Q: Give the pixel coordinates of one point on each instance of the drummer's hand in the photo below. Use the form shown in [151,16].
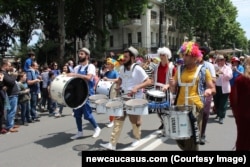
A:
[105,78]
[134,90]
[208,92]
[165,87]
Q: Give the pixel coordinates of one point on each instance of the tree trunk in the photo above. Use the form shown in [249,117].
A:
[61,4]
[100,35]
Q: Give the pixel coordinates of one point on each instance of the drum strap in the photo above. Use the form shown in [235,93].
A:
[187,85]
[79,70]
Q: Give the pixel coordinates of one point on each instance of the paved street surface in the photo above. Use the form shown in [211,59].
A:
[48,144]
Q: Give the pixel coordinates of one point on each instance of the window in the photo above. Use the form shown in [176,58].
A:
[111,41]
[133,15]
[129,38]
[152,38]
[153,15]
[139,37]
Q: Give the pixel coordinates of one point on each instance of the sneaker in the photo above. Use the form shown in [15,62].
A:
[78,135]
[97,132]
[111,124]
[57,115]
[221,120]
[37,120]
[108,146]
[135,143]
[202,140]
[25,124]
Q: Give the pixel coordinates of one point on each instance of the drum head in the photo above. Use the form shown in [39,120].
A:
[113,104]
[126,97]
[97,97]
[76,92]
[156,93]
[136,102]
[101,101]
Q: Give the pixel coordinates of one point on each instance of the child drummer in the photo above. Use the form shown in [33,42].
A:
[111,75]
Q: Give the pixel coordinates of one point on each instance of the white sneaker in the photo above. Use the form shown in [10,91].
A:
[108,146]
[57,115]
[135,143]
[111,124]
[78,135]
[97,132]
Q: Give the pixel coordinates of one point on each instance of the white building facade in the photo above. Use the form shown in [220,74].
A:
[151,30]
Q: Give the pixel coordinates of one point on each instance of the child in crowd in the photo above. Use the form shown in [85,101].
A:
[24,98]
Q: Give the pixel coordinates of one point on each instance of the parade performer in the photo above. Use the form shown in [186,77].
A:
[191,80]
[111,75]
[86,71]
[163,72]
[132,78]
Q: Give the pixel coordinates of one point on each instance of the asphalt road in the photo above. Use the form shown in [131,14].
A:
[48,144]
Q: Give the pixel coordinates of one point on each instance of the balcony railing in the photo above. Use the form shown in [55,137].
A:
[132,22]
[136,45]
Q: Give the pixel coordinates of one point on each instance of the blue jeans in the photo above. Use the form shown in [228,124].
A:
[33,103]
[87,112]
[11,112]
[25,114]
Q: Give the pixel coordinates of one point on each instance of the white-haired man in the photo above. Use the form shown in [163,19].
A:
[163,72]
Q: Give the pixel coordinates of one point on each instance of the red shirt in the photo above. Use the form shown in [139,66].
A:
[162,71]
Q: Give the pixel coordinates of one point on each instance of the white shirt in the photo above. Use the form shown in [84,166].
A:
[132,78]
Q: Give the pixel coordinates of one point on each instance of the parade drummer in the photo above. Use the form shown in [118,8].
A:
[163,72]
[86,71]
[132,78]
[192,80]
[111,75]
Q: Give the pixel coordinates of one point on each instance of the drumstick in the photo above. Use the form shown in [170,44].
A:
[159,84]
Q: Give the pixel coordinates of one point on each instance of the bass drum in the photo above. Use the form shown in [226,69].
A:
[106,88]
[69,91]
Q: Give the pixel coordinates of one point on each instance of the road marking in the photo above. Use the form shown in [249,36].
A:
[142,141]
[154,144]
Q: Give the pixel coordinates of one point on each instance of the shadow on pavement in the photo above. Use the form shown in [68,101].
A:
[56,139]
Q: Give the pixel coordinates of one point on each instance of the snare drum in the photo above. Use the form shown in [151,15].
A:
[114,108]
[107,88]
[69,91]
[137,107]
[101,106]
[177,123]
[155,95]
[93,98]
